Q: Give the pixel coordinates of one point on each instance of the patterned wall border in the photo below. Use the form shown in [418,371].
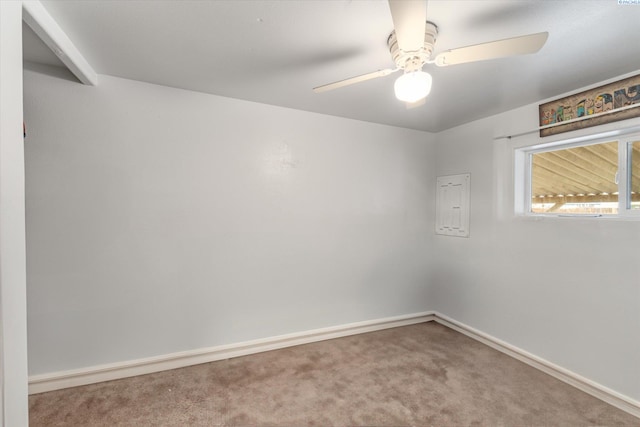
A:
[604,104]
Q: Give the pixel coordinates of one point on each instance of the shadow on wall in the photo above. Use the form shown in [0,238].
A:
[50,70]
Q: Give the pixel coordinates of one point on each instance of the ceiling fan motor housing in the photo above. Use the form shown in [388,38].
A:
[413,60]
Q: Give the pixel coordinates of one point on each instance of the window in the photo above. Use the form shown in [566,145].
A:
[596,178]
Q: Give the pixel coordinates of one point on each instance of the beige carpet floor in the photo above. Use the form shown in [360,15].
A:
[419,375]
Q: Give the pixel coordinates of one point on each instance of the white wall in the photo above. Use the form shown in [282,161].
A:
[162,220]
[13,328]
[567,290]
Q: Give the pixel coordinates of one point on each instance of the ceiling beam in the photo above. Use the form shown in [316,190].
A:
[549,177]
[36,16]
[587,161]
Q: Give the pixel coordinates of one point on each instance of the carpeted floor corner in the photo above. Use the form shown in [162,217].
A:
[419,375]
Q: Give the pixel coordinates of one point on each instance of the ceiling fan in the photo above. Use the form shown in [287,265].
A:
[411,45]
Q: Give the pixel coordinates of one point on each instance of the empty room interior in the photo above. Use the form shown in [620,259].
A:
[320,212]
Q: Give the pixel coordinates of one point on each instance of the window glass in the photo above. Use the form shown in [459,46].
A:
[578,180]
[634,162]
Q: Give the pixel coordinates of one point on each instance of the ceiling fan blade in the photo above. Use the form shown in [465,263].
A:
[409,17]
[356,79]
[493,50]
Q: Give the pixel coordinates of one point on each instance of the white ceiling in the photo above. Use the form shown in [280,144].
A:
[275,52]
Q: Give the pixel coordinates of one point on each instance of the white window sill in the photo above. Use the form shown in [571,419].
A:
[573,217]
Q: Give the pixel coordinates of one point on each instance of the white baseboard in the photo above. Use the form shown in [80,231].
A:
[603,393]
[114,371]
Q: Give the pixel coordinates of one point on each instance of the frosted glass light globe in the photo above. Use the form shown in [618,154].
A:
[413,86]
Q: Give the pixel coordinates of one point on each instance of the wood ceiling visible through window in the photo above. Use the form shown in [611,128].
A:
[585,174]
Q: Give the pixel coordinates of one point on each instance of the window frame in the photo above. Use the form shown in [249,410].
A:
[523,170]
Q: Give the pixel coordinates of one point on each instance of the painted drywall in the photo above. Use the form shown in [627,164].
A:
[564,289]
[161,220]
[13,311]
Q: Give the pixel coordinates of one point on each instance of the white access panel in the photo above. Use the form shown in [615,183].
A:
[452,205]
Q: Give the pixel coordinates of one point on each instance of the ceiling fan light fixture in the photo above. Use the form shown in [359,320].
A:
[413,86]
